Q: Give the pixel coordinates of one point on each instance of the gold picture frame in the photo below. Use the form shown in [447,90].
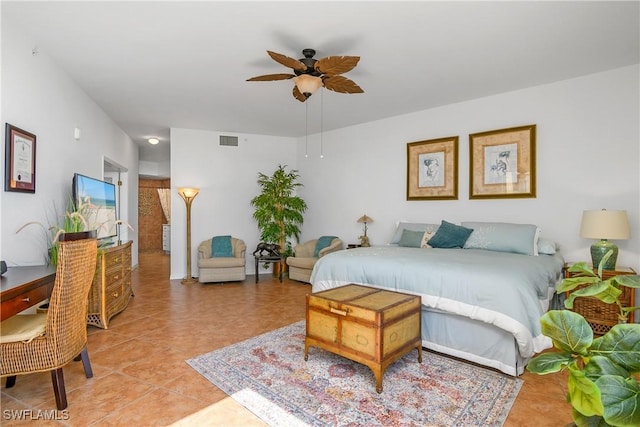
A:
[502,163]
[432,169]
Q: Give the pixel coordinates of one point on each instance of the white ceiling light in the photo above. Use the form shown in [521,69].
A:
[153,141]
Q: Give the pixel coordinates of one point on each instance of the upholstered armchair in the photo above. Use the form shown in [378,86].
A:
[227,266]
[307,254]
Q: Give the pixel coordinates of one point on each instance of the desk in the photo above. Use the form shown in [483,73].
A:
[24,287]
[267,258]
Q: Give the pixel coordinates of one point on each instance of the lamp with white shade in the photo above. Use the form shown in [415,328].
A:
[604,225]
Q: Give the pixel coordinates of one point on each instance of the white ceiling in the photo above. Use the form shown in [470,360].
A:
[153,65]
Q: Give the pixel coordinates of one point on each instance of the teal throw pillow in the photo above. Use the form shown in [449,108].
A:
[411,239]
[322,243]
[450,236]
[221,247]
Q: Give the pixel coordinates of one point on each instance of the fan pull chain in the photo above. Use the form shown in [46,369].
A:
[306,133]
[321,123]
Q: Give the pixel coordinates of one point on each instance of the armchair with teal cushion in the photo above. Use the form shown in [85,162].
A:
[221,266]
[308,253]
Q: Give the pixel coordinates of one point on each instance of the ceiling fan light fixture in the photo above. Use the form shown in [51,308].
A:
[307,85]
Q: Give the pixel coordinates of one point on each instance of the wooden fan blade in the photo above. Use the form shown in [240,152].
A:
[286,61]
[334,65]
[341,84]
[298,95]
[270,77]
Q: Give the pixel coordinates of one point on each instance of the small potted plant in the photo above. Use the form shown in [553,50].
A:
[278,210]
[603,387]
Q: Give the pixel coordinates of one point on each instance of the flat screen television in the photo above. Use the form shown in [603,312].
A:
[97,200]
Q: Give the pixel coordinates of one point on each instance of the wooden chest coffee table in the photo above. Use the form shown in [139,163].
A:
[371,326]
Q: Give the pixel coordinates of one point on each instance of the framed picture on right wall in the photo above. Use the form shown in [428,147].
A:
[502,163]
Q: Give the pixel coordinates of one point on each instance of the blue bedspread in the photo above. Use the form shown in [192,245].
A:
[507,290]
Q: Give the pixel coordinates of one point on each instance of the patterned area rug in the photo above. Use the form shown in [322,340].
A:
[268,375]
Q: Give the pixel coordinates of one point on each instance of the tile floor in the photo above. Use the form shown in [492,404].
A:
[140,374]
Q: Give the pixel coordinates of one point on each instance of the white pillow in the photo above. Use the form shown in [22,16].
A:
[547,246]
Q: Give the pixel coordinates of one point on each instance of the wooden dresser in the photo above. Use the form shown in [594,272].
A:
[111,288]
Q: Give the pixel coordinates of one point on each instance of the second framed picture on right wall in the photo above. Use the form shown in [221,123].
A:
[502,163]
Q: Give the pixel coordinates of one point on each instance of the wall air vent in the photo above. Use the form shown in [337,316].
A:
[229,141]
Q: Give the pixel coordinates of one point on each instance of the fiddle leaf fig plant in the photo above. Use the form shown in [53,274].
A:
[603,387]
[587,283]
[603,390]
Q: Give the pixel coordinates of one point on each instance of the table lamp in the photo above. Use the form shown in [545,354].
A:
[604,225]
[364,240]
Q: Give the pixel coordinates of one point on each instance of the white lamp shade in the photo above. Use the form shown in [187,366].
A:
[307,85]
[604,224]
[187,193]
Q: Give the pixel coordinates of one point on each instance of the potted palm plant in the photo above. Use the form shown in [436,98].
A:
[603,387]
[278,210]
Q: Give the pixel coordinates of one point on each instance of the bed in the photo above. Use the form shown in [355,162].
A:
[478,303]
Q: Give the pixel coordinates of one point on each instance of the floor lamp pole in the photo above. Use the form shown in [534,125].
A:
[188,194]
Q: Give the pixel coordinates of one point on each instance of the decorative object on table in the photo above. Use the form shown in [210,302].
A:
[503,163]
[305,256]
[604,299]
[432,169]
[188,194]
[19,160]
[284,390]
[602,387]
[311,74]
[364,239]
[49,341]
[79,216]
[221,259]
[604,224]
[278,210]
[265,254]
[3,267]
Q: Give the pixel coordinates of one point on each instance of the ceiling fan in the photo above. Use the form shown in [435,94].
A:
[310,74]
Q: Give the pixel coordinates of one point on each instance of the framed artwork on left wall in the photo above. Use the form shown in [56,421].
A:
[19,160]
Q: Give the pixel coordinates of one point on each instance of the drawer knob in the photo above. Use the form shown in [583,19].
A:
[115,295]
[116,277]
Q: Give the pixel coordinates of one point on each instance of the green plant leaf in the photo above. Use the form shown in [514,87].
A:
[583,393]
[568,331]
[604,291]
[621,345]
[628,280]
[584,421]
[601,365]
[571,283]
[582,268]
[547,363]
[621,399]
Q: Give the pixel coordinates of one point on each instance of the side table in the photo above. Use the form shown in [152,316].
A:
[269,258]
[601,316]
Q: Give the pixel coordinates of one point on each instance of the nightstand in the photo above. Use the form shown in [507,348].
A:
[601,316]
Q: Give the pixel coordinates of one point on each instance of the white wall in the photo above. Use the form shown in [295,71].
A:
[226,177]
[39,97]
[587,158]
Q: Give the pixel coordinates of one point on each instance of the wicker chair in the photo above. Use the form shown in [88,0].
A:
[302,263]
[47,342]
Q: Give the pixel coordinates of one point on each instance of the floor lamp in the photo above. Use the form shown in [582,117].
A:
[188,194]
